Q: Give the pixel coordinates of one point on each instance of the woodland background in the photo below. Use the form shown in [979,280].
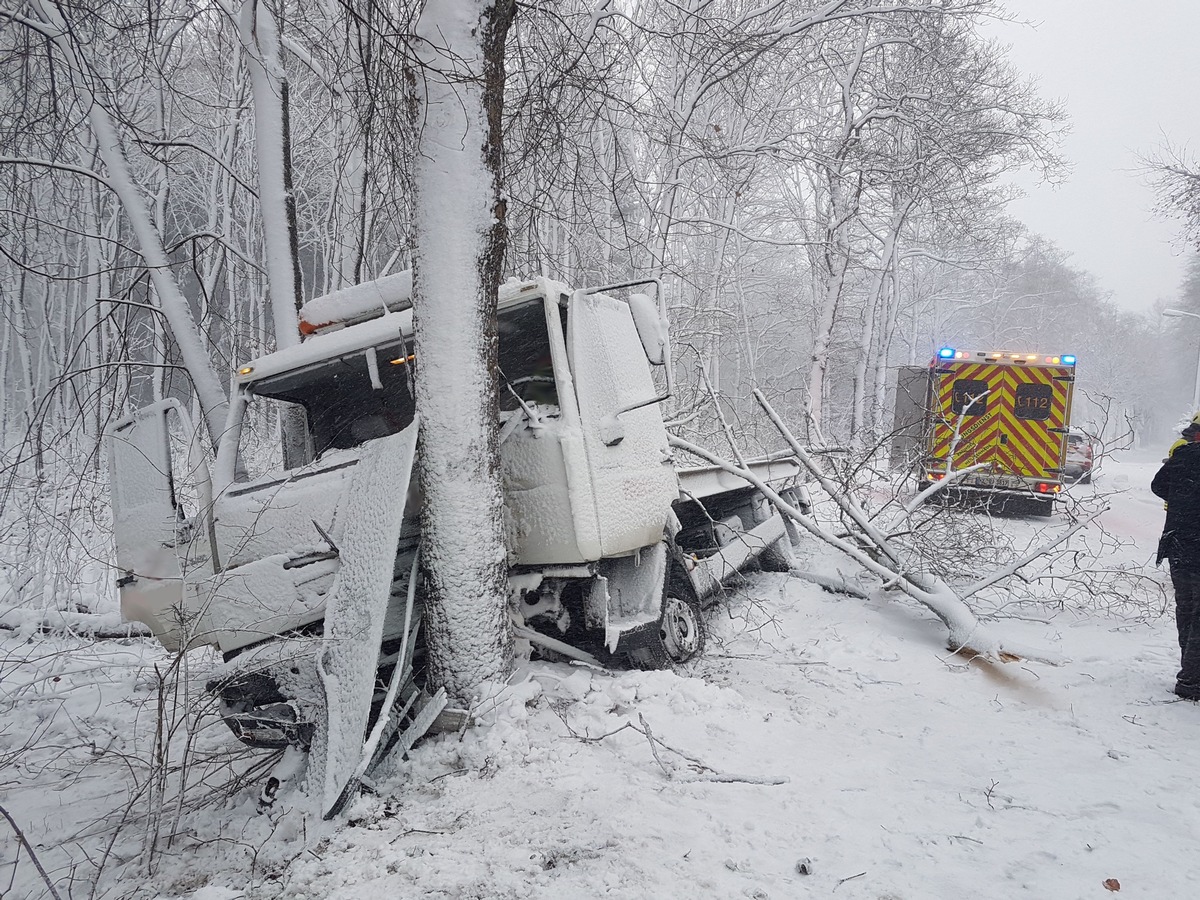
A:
[822,188]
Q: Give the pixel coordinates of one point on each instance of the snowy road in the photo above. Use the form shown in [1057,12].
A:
[843,733]
[929,777]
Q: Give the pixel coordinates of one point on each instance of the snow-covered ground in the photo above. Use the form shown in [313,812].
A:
[824,746]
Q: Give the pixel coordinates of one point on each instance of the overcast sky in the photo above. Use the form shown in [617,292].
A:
[1129,73]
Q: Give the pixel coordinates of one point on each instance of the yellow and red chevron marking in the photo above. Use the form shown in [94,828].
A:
[1029,448]
[1033,448]
[978,435]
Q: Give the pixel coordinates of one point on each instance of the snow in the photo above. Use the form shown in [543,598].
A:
[322,347]
[390,293]
[539,514]
[904,772]
[652,327]
[274,516]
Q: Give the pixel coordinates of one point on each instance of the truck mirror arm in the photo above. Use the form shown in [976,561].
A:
[611,430]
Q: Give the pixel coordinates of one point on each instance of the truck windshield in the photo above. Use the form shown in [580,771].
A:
[341,407]
[524,357]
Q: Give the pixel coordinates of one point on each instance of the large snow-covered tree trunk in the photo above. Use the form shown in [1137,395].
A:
[460,247]
[259,34]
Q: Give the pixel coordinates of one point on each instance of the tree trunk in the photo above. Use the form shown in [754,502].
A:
[272,151]
[836,259]
[460,248]
[173,304]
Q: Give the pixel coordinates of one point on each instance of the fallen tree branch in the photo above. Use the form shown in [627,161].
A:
[89,625]
[1014,567]
[834,585]
[707,774]
[966,632]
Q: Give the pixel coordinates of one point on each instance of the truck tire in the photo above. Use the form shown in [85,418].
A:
[682,629]
[680,636]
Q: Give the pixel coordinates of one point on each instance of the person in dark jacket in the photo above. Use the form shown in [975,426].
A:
[1178,483]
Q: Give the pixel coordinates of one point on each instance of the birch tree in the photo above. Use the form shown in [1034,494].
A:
[259,34]
[923,117]
[458,61]
[95,94]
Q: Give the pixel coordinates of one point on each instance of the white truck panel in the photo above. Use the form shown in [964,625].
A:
[633,480]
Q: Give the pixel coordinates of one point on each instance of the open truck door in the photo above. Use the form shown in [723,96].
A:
[157,542]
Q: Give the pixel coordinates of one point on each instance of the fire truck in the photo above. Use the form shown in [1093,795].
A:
[1004,414]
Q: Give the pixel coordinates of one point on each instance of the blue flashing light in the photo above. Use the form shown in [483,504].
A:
[1068,360]
[948,353]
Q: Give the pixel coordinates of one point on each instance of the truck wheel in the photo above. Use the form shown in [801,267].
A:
[682,629]
[680,637]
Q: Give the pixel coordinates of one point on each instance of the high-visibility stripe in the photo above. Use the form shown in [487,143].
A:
[1030,448]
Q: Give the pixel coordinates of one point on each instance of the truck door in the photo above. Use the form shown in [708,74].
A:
[1036,413]
[910,421]
[633,477]
[157,541]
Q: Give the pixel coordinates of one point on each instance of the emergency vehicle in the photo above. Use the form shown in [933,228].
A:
[1008,412]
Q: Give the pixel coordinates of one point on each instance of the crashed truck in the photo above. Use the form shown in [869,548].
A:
[613,547]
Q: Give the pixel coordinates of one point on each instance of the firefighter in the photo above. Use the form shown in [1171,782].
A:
[1189,433]
[1178,483]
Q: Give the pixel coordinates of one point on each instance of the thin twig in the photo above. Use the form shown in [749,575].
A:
[848,878]
[29,847]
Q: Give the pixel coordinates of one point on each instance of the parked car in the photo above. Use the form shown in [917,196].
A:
[1080,455]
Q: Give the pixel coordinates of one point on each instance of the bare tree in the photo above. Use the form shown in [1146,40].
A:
[97,97]
[1175,173]
[459,54]
[259,33]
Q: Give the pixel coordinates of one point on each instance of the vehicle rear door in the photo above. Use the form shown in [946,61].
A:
[1036,409]
[967,401]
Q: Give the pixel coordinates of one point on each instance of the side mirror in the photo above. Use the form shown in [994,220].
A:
[651,328]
